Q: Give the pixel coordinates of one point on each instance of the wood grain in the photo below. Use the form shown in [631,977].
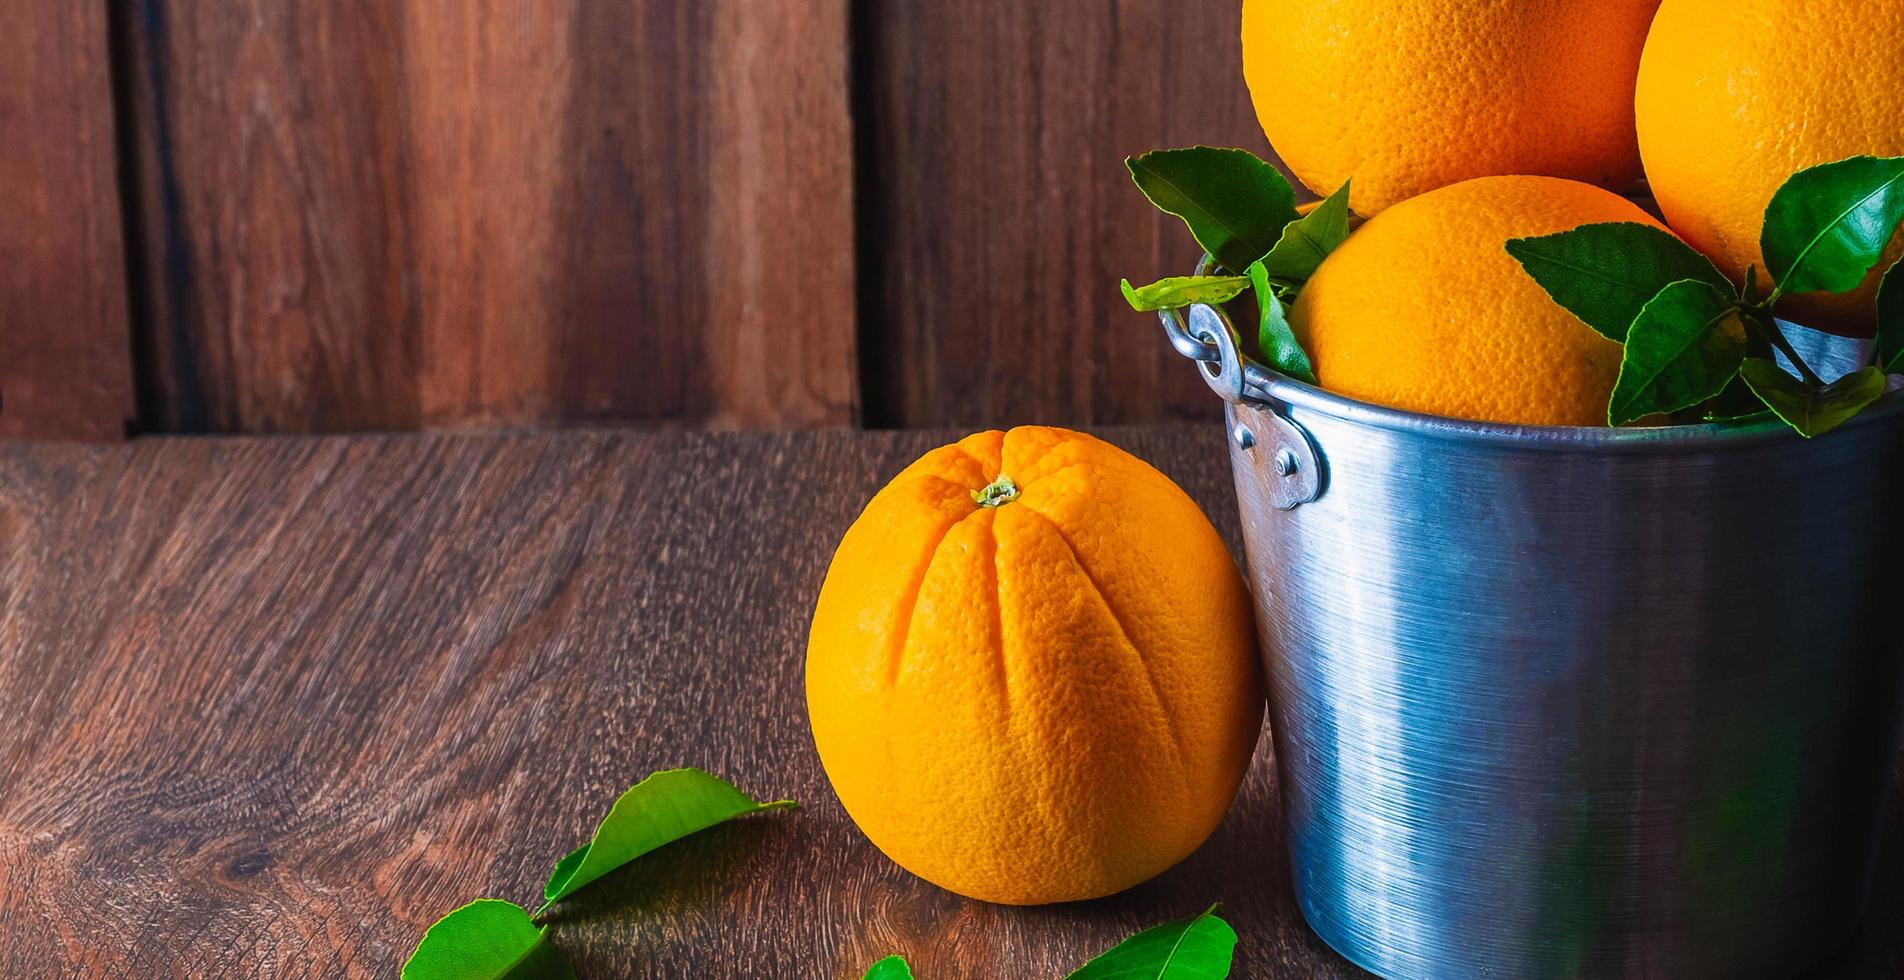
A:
[440,213]
[1001,216]
[65,342]
[274,705]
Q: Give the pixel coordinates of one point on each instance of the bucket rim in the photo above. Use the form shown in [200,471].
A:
[1279,390]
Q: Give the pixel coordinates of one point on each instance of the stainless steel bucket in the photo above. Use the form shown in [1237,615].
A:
[1571,702]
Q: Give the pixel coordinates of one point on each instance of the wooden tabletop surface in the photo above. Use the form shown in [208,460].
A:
[268,707]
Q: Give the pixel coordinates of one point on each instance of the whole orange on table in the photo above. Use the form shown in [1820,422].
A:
[1032,671]
[1734,96]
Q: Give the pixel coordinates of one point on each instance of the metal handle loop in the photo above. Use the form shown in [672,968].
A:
[1224,374]
[1287,459]
[1179,336]
[1209,339]
[1202,340]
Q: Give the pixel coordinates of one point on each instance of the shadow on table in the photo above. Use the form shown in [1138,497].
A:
[695,873]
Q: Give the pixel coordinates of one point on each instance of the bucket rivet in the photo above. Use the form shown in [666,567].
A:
[1285,462]
[1243,437]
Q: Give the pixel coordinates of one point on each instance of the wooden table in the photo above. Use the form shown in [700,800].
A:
[270,706]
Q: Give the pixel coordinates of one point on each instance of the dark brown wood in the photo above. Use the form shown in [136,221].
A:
[1000,216]
[65,344]
[274,705]
[446,213]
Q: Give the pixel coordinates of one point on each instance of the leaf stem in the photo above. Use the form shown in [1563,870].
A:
[1776,337]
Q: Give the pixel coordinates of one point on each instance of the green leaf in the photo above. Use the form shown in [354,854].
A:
[890,968]
[1812,410]
[1194,949]
[1235,204]
[1176,291]
[488,939]
[1308,240]
[665,807]
[1891,319]
[1686,343]
[1274,338]
[1828,225]
[1604,273]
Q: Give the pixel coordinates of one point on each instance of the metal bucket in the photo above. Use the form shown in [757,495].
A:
[1571,701]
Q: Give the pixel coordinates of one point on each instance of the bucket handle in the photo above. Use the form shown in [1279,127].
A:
[1287,460]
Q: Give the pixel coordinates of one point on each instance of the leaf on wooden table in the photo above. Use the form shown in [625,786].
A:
[488,939]
[1826,226]
[891,968]
[1234,203]
[1179,291]
[1605,273]
[665,807]
[1812,410]
[1194,949]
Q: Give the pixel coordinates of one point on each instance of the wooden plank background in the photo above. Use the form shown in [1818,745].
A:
[1002,214]
[403,214]
[65,345]
[439,213]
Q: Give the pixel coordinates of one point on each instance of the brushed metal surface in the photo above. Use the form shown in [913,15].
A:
[1578,702]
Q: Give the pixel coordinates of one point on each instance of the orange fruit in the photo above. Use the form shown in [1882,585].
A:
[1047,699]
[1409,95]
[1423,309]
[1735,96]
